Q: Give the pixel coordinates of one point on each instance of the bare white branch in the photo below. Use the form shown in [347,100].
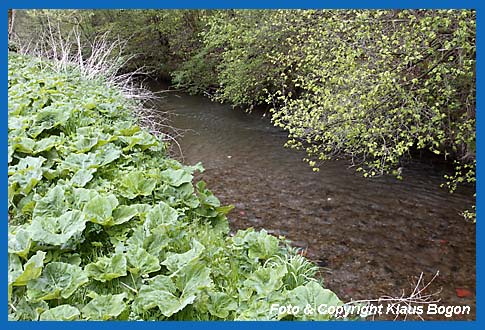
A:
[418,296]
[103,58]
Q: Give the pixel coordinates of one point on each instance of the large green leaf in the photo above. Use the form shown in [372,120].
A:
[156,241]
[19,241]
[176,177]
[314,295]
[175,261]
[61,313]
[100,209]
[74,162]
[107,154]
[107,268]
[10,153]
[14,271]
[28,310]
[142,210]
[82,177]
[137,238]
[266,280]
[47,144]
[31,269]
[58,230]
[23,144]
[124,213]
[262,245]
[84,144]
[19,275]
[140,138]
[16,122]
[161,214]
[221,304]
[98,133]
[27,173]
[161,292]
[141,261]
[105,307]
[206,197]
[53,204]
[49,117]
[128,130]
[58,280]
[81,196]
[193,278]
[136,184]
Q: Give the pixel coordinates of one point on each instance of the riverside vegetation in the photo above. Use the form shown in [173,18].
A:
[104,225]
[376,87]
[102,222]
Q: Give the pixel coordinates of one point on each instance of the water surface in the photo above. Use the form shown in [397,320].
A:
[371,237]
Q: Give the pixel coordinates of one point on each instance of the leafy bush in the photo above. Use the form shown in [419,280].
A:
[371,86]
[242,39]
[104,226]
[375,85]
[196,75]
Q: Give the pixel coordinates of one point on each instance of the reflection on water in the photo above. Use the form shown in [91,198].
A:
[370,236]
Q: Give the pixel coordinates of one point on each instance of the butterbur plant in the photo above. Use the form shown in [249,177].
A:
[104,225]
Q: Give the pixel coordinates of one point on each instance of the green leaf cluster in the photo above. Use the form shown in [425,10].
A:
[103,225]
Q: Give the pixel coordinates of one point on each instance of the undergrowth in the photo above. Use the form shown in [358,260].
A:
[104,225]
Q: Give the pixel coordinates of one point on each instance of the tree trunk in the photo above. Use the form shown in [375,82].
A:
[11,20]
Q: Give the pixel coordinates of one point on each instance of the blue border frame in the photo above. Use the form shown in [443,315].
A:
[214,4]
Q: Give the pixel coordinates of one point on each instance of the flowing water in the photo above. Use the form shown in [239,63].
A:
[371,237]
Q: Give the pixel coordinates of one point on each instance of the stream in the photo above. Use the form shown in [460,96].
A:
[371,237]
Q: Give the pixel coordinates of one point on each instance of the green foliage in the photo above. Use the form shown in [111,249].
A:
[464,173]
[375,85]
[298,270]
[58,280]
[197,75]
[234,54]
[371,86]
[58,230]
[103,225]
[107,268]
[61,313]
[314,295]
[104,307]
[242,40]
[137,29]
